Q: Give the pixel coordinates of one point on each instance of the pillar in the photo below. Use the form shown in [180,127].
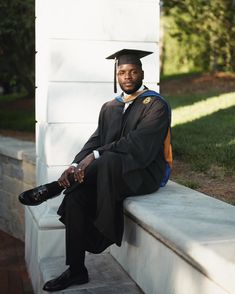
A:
[73,80]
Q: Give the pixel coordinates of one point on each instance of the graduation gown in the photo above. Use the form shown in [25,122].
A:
[137,136]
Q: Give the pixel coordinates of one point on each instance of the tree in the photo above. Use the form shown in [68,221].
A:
[207,26]
[17,43]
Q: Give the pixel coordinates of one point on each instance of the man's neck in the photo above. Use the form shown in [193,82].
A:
[141,88]
[131,97]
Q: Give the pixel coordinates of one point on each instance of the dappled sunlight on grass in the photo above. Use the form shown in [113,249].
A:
[232,142]
[208,140]
[202,108]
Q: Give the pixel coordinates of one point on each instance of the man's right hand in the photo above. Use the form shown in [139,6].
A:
[78,172]
[64,178]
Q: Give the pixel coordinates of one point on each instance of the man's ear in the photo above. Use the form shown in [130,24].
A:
[142,74]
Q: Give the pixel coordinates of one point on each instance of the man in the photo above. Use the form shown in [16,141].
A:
[129,154]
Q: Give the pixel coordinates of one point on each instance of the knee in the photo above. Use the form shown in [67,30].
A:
[70,201]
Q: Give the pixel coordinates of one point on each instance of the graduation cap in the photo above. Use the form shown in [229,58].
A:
[126,56]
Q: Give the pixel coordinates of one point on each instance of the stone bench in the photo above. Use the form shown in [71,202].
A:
[176,240]
[179,241]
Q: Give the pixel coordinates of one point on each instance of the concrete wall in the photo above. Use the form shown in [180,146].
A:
[17,173]
[73,78]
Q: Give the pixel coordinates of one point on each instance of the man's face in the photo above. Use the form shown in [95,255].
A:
[130,77]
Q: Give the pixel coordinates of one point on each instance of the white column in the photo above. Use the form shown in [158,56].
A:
[73,80]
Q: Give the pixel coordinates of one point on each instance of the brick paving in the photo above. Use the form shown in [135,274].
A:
[13,274]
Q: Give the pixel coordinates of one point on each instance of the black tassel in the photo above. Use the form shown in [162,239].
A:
[115,75]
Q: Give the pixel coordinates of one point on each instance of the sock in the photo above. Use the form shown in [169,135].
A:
[54,188]
[78,267]
[75,270]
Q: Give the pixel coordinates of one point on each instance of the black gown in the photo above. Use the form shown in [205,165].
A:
[131,162]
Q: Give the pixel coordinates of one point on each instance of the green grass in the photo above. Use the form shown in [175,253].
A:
[207,141]
[184,100]
[174,76]
[12,118]
[11,97]
[197,109]
[17,120]
[190,184]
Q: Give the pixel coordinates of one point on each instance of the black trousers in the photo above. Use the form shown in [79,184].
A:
[92,211]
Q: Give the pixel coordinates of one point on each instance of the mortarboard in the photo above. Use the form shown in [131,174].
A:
[126,56]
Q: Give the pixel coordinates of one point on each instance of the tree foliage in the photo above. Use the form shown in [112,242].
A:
[17,39]
[207,29]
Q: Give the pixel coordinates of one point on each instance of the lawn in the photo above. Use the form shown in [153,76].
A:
[204,130]
[17,113]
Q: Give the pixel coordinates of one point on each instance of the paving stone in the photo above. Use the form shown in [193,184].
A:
[106,275]
[13,274]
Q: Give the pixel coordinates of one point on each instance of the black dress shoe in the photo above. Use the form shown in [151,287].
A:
[65,280]
[40,194]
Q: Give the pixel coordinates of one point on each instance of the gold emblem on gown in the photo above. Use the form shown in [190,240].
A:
[147,100]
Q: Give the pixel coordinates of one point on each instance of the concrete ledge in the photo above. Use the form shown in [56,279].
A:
[17,149]
[178,228]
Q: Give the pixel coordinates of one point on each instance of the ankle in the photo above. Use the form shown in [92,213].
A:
[54,188]
[75,270]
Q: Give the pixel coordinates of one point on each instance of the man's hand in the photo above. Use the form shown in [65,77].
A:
[78,171]
[64,178]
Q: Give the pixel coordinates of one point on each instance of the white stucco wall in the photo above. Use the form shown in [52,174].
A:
[73,78]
